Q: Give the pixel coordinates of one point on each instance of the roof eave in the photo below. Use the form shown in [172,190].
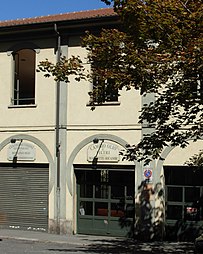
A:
[62,24]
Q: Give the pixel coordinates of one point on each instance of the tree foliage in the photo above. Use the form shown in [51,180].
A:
[196,161]
[63,69]
[156,49]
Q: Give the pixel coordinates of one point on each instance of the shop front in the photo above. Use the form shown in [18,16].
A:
[24,196]
[25,184]
[104,189]
[184,201]
[105,201]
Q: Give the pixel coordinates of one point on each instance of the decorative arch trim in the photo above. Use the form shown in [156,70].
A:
[164,154]
[79,147]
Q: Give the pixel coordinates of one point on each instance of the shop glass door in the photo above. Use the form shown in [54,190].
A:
[105,202]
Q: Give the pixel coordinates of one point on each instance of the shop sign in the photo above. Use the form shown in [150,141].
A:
[23,151]
[104,151]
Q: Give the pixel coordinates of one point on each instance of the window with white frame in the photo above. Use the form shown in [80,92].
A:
[104,90]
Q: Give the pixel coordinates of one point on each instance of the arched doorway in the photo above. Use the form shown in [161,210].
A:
[104,192]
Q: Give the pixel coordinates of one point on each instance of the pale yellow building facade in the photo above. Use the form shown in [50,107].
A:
[88,188]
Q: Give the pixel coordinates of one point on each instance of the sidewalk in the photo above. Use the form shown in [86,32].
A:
[100,244]
[38,236]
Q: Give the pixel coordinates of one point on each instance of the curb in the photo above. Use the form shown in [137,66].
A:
[41,240]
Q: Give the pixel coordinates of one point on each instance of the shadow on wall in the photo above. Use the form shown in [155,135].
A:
[149,212]
[148,222]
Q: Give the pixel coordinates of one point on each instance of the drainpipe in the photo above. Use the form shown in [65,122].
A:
[58,52]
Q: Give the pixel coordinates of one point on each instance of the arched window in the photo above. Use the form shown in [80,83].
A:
[24,77]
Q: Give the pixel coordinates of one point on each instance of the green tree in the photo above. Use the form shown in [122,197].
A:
[157,48]
[196,161]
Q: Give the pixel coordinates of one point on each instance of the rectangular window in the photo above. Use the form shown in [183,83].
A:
[104,91]
[175,194]
[195,87]
[24,77]
[184,193]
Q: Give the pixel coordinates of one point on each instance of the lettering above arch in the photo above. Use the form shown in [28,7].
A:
[78,148]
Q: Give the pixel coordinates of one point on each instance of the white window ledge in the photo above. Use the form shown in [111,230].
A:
[23,106]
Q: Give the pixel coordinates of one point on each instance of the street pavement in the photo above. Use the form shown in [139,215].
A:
[18,241]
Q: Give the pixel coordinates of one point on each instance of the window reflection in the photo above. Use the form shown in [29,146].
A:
[130,211]
[86,190]
[175,194]
[86,208]
[117,210]
[184,193]
[101,209]
[192,194]
[117,191]
[192,213]
[174,212]
[102,191]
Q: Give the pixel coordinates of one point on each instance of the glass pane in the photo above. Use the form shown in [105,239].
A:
[192,194]
[101,209]
[192,213]
[86,208]
[86,191]
[117,210]
[174,212]
[183,175]
[104,176]
[130,192]
[102,191]
[174,175]
[117,192]
[130,211]
[175,194]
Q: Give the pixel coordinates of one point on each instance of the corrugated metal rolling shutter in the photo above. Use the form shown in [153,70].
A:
[24,198]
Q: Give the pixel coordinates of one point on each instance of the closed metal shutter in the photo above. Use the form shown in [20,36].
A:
[24,198]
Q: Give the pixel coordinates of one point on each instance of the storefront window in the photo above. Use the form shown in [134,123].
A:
[117,210]
[175,193]
[86,208]
[117,192]
[192,194]
[192,213]
[86,190]
[101,209]
[174,212]
[102,191]
[184,193]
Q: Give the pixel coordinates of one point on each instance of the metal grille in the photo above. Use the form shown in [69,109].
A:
[24,198]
